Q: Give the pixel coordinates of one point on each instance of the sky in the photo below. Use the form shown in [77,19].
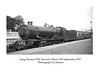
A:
[71,15]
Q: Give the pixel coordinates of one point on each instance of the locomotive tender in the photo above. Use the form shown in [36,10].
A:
[33,36]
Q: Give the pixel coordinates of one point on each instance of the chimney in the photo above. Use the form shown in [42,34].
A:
[30,23]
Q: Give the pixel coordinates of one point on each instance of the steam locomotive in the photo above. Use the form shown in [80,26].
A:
[37,36]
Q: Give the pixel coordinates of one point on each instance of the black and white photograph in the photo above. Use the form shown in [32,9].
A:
[49,38]
[61,31]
